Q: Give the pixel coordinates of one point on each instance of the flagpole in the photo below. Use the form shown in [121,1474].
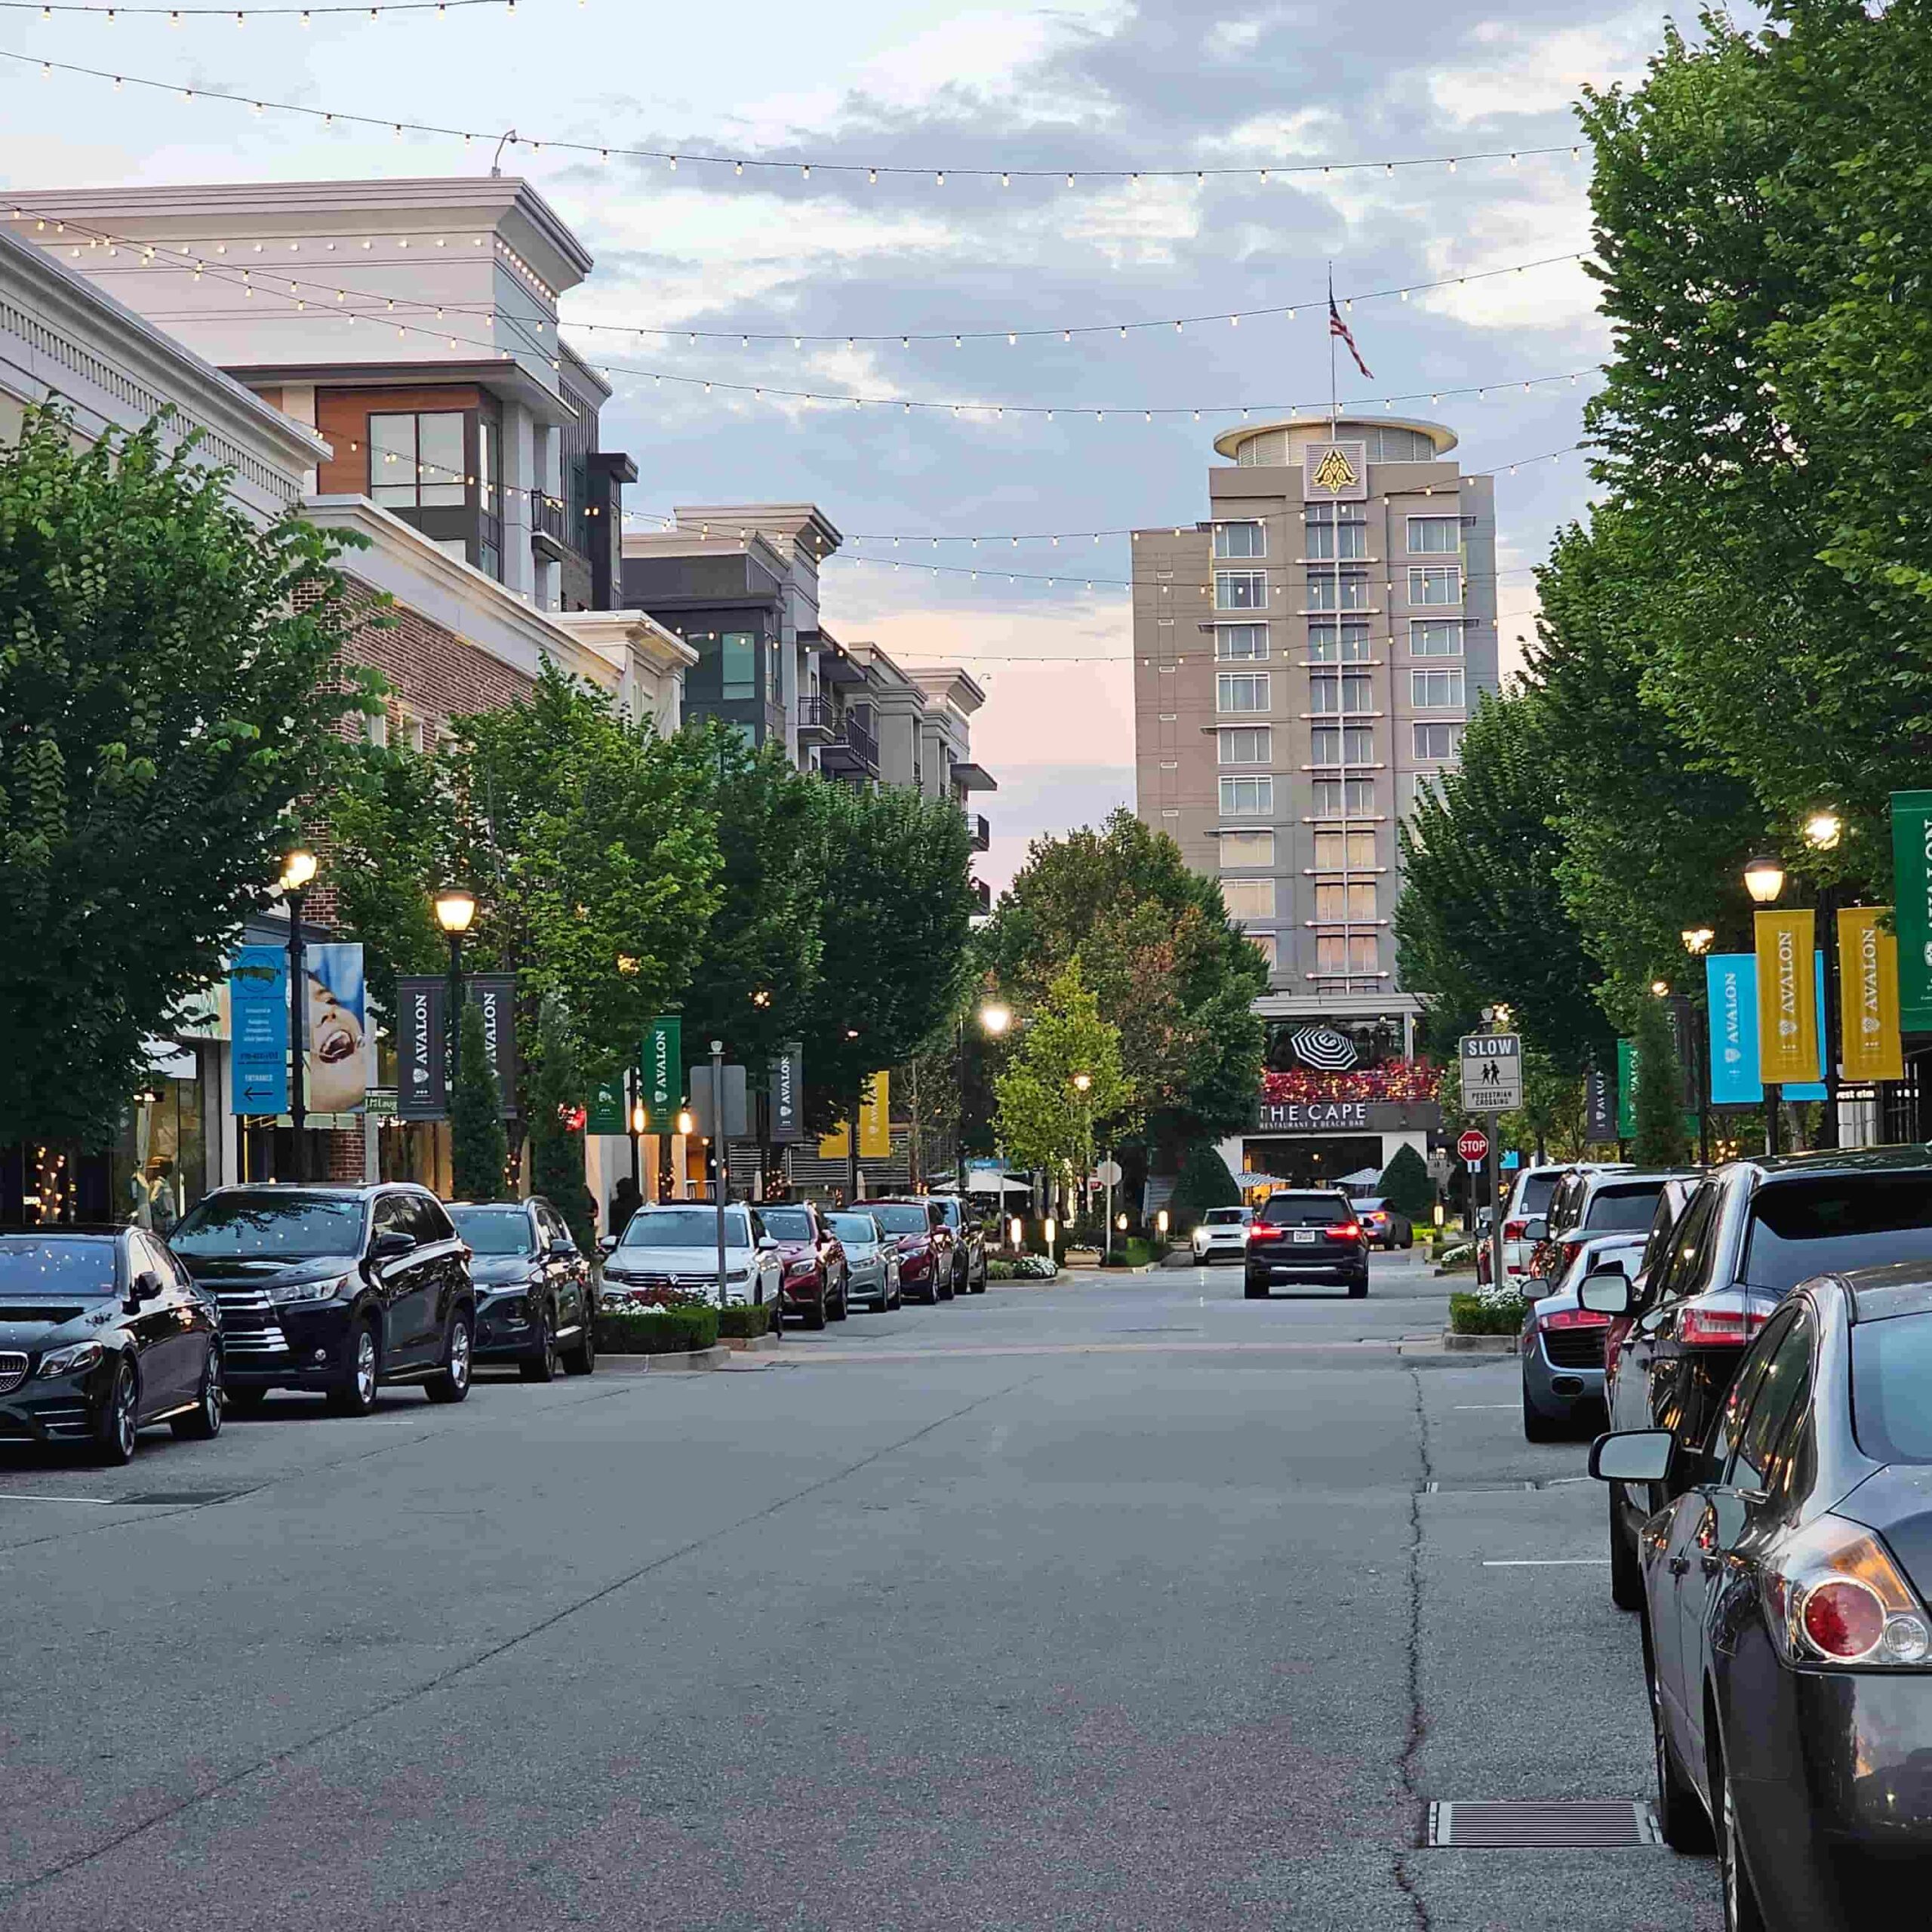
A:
[1341,685]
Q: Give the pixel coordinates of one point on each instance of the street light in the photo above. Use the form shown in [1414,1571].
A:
[298,871]
[1764,879]
[1661,988]
[995,1017]
[1823,831]
[1698,941]
[455,907]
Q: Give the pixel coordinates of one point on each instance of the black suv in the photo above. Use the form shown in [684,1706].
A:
[969,1244]
[1306,1234]
[536,1305]
[1749,1234]
[336,1289]
[101,1333]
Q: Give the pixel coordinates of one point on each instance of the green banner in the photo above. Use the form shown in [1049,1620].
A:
[1626,1090]
[1911,880]
[605,1114]
[663,1064]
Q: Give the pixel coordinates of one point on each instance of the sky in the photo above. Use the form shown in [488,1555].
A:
[1085,85]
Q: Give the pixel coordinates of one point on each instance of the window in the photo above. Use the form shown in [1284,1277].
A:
[1251,744]
[1438,740]
[1352,694]
[416,461]
[1233,643]
[1335,903]
[1352,744]
[1264,943]
[1335,850]
[1323,533]
[1336,798]
[1249,898]
[377,728]
[1325,594]
[1435,536]
[1241,590]
[1431,689]
[1241,539]
[1435,583]
[1782,1390]
[1337,954]
[1351,648]
[1241,690]
[1434,637]
[1247,848]
[738,664]
[1420,788]
[410,728]
[1247,796]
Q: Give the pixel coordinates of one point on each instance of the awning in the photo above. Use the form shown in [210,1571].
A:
[978,1182]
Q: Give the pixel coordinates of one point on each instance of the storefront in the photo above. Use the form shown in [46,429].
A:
[1318,1143]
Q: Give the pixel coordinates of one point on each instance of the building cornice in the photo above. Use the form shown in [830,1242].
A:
[613,633]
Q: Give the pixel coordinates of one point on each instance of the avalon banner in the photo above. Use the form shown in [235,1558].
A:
[1787,1012]
[422,1045]
[1730,981]
[1911,885]
[1871,1048]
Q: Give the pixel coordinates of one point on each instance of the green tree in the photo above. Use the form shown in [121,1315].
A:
[479,1149]
[1657,1106]
[1045,1120]
[1204,1182]
[556,1133]
[170,692]
[1406,1186]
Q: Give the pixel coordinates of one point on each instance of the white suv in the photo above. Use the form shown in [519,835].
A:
[1222,1235]
[1529,1198]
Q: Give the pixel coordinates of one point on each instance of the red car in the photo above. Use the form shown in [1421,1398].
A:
[918,1226]
[813,1283]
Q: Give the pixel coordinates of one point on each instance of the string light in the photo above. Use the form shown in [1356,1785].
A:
[174,16]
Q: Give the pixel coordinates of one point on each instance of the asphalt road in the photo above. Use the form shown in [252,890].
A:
[1117,1602]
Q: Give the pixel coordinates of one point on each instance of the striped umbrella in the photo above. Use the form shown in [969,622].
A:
[1323,1048]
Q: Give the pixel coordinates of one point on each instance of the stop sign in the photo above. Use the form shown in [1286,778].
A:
[1472,1144]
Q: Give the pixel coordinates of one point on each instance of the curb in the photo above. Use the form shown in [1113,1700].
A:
[698,1359]
[1479,1345]
[749,1345]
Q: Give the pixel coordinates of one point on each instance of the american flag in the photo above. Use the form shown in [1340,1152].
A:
[1337,327]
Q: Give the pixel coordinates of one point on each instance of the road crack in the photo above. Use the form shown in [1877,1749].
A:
[1416,1733]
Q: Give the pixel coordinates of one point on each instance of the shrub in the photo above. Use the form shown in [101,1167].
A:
[1131,1251]
[1477,1314]
[1204,1183]
[1026,1268]
[1406,1186]
[479,1149]
[658,1331]
[1458,1254]
[745,1320]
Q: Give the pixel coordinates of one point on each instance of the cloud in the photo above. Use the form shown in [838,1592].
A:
[1525,70]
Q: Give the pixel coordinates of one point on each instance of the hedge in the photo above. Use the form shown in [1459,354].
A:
[1131,1251]
[745,1320]
[1025,1267]
[1471,1314]
[660,1331]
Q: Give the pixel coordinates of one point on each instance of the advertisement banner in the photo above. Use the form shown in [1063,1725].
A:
[875,1120]
[422,1046]
[1626,1089]
[1787,1008]
[495,995]
[662,1063]
[1677,1012]
[788,1094]
[1599,1106]
[605,1113]
[336,1055]
[258,1006]
[1870,1047]
[1730,978]
[836,1146]
[1912,886]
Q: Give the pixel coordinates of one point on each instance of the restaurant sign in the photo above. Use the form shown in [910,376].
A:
[1350,1117]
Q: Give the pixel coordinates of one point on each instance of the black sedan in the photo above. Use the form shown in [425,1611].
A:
[1787,1641]
[101,1333]
[535,1303]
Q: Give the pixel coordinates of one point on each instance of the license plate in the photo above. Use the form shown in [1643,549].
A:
[1304,1235]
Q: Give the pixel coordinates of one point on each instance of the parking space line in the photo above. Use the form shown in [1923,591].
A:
[22,1496]
[1467,1408]
[1545,1562]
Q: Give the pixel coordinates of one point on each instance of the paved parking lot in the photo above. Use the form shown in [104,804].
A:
[1120,1601]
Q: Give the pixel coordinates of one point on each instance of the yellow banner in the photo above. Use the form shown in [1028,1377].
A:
[1871,1048]
[875,1120]
[836,1146]
[1787,997]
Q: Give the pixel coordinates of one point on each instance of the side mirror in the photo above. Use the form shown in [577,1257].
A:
[606,1244]
[1632,1455]
[391,1244]
[766,1244]
[1606,1291]
[148,1284]
[1536,1228]
[568,1250]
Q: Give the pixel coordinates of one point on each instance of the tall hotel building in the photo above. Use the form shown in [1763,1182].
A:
[1305,661]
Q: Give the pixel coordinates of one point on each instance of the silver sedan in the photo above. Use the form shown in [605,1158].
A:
[872,1261]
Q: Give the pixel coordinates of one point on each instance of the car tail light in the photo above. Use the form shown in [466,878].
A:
[1264,1231]
[1835,1596]
[1575,1318]
[1344,1230]
[1720,1327]
[1515,1230]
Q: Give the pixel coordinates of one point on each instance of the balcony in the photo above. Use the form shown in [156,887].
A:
[981,831]
[983,895]
[546,528]
[818,721]
[849,748]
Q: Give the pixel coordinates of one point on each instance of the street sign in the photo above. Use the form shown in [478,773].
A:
[1492,1072]
[1472,1145]
[1108,1173]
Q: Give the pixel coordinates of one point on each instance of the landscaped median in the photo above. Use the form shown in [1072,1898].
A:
[682,1337]
[1484,1322]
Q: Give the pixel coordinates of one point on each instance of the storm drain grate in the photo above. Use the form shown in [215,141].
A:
[1590,1826]
[176,1498]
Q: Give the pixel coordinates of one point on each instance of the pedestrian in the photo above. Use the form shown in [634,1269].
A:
[625,1200]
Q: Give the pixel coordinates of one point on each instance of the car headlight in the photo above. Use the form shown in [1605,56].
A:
[738,1279]
[72,1361]
[326,1290]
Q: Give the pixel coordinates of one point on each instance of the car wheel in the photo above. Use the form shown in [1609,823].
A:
[1681,1818]
[1741,1910]
[542,1365]
[898,1296]
[942,1291]
[451,1382]
[245,1401]
[203,1422]
[1254,1290]
[353,1392]
[1358,1288]
[1538,1427]
[116,1426]
[582,1359]
[1627,1573]
[842,1308]
[815,1316]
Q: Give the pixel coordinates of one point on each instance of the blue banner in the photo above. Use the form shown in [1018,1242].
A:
[258,1022]
[1731,980]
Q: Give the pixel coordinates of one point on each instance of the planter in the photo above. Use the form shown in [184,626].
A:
[766,1344]
[660,1331]
[1479,1345]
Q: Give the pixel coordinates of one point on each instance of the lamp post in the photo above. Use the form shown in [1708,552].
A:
[1764,879]
[456,907]
[639,1120]
[995,1017]
[1823,831]
[1082,1085]
[718,1156]
[1697,941]
[298,870]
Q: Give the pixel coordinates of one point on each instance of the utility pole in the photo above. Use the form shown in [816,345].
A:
[718,1155]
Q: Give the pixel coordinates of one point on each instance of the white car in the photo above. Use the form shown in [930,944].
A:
[674,1245]
[1222,1235]
[1529,1198]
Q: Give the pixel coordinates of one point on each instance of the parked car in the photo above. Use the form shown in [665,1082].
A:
[813,1283]
[969,1244]
[1300,1235]
[1221,1233]
[1561,1349]
[1590,1201]
[535,1302]
[1753,1231]
[1670,1205]
[923,1240]
[103,1333]
[337,1289]
[871,1259]
[1787,1639]
[1529,1195]
[673,1246]
[1385,1227]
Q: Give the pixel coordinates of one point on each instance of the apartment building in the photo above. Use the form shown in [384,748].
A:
[1305,661]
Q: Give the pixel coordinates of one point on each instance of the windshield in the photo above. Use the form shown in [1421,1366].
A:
[860,1228]
[1800,1228]
[685,1227]
[1223,1217]
[1536,1189]
[949,1210]
[788,1223]
[1619,1208]
[1891,1389]
[900,1218]
[495,1230]
[55,1264]
[271,1227]
[1306,1211]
